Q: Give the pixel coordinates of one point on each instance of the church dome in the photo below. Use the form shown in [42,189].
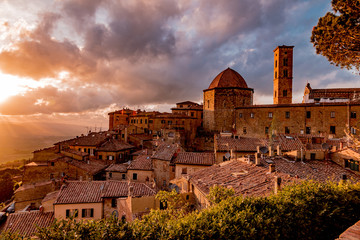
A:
[228,78]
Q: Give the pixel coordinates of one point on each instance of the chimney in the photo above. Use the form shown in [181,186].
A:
[277,186]
[131,190]
[257,159]
[271,152]
[278,150]
[258,149]
[272,168]
[343,178]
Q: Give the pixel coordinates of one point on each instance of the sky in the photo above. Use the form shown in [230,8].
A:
[76,60]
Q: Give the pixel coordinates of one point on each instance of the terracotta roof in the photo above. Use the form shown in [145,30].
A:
[352,233]
[166,151]
[50,196]
[91,166]
[194,158]
[246,179]
[142,152]
[288,142]
[143,137]
[142,162]
[243,144]
[187,102]
[313,169]
[80,192]
[349,153]
[122,188]
[349,93]
[228,78]
[172,115]
[197,107]
[93,192]
[24,223]
[114,145]
[117,168]
[91,140]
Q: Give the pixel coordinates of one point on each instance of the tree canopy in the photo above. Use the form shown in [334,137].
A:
[337,34]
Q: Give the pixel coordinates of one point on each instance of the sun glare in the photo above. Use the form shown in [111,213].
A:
[11,85]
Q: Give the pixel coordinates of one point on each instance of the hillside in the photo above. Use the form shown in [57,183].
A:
[18,141]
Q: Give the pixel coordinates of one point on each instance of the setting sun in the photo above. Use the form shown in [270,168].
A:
[12,85]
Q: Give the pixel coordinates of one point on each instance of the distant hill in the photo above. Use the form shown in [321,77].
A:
[19,140]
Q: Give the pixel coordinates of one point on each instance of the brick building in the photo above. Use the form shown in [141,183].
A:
[327,112]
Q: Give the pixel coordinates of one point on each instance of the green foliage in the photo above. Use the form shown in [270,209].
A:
[219,193]
[337,34]
[310,210]
[108,229]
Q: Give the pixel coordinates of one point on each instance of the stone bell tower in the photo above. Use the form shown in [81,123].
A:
[283,74]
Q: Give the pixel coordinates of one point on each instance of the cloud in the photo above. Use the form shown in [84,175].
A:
[132,53]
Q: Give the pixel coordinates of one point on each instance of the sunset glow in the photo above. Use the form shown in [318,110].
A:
[11,85]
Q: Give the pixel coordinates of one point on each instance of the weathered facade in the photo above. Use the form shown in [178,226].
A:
[226,92]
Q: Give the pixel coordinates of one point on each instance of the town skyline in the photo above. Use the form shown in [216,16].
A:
[80,56]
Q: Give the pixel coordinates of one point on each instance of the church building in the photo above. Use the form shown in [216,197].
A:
[228,105]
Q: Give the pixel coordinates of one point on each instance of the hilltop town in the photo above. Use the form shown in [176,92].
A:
[227,141]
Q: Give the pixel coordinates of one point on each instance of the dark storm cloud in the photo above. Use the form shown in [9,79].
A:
[154,52]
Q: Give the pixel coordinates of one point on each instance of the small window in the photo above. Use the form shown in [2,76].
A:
[110,174]
[312,156]
[266,130]
[275,94]
[287,114]
[332,114]
[270,114]
[353,130]
[332,130]
[135,176]
[100,157]
[275,74]
[164,183]
[285,72]
[145,121]
[187,197]
[192,114]
[150,121]
[353,115]
[307,130]
[353,165]
[275,63]
[308,114]
[208,103]
[169,122]
[287,130]
[122,135]
[72,212]
[52,164]
[244,130]
[123,176]
[284,93]
[87,212]
[140,120]
[163,121]
[184,170]
[113,203]
[285,61]
[240,115]
[252,115]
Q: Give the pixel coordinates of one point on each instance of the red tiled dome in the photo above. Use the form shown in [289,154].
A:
[228,78]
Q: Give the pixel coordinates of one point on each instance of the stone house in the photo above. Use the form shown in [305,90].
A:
[260,178]
[347,158]
[117,172]
[190,162]
[163,165]
[141,170]
[114,151]
[120,117]
[190,109]
[101,199]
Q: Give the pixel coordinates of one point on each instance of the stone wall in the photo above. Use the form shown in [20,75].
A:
[294,117]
